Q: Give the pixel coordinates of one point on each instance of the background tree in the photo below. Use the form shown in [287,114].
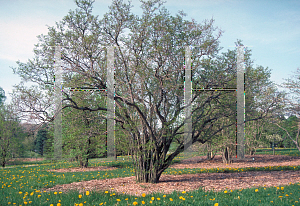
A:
[291,125]
[2,96]
[40,141]
[292,109]
[149,77]
[9,130]
[84,132]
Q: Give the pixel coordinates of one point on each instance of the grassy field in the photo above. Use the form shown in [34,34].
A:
[279,151]
[21,185]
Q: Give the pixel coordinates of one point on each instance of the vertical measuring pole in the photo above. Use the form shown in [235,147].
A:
[187,102]
[110,103]
[58,104]
[240,103]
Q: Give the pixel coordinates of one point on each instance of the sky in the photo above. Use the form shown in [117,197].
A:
[271,29]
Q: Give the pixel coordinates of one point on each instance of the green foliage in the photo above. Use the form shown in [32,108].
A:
[10,131]
[2,96]
[84,132]
[149,82]
[41,139]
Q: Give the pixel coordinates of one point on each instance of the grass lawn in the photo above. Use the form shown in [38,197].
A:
[21,185]
[279,151]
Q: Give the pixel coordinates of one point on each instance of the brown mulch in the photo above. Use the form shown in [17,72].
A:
[26,159]
[259,161]
[79,169]
[208,181]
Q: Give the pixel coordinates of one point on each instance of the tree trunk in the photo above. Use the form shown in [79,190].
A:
[209,155]
[3,159]
[149,162]
[226,156]
[3,162]
[209,151]
[84,162]
[147,171]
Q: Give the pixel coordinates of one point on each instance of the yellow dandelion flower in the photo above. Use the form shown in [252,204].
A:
[126,199]
[216,204]
[225,191]
[158,198]
[135,203]
[150,202]
[152,198]
[20,192]
[80,196]
[144,195]
[87,193]
[183,192]
[171,199]
[282,188]
[143,202]
[55,193]
[118,200]
[58,204]
[25,203]
[256,190]
[164,195]
[286,195]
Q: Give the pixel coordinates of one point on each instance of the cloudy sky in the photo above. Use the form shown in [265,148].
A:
[270,27]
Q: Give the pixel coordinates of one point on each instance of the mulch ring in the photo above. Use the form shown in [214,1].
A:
[26,159]
[79,169]
[248,159]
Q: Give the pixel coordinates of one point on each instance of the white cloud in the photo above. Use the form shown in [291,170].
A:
[18,38]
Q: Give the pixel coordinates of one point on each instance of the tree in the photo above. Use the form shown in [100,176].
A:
[292,100]
[288,127]
[149,77]
[84,135]
[9,129]
[2,96]
[292,108]
[40,141]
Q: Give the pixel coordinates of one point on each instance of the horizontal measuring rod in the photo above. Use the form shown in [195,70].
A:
[79,89]
[215,89]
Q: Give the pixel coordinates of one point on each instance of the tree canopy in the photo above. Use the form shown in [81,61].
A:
[149,76]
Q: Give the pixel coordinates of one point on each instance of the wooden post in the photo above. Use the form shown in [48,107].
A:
[58,104]
[240,103]
[111,152]
[187,102]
